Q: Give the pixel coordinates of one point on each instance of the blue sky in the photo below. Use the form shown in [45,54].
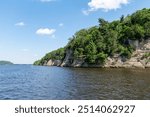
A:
[31,28]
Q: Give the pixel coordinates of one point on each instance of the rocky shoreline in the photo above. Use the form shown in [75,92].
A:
[139,59]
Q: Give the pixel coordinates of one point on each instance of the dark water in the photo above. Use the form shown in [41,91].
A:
[35,82]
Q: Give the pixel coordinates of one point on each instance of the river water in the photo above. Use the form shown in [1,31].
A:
[21,82]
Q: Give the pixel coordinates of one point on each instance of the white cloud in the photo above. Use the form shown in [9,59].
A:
[106,5]
[20,24]
[47,0]
[45,31]
[61,24]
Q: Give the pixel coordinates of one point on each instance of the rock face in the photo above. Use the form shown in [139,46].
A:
[148,65]
[139,59]
[68,59]
[53,63]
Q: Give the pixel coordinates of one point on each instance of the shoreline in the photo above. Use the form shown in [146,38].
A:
[102,67]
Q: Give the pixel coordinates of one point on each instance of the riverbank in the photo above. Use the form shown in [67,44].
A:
[139,59]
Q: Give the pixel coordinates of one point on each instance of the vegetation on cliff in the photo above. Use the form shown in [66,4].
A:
[54,55]
[97,43]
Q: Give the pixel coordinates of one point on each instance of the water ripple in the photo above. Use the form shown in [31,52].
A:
[36,82]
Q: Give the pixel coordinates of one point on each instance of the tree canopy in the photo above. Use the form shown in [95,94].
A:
[96,43]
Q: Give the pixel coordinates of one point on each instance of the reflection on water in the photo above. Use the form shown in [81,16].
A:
[36,82]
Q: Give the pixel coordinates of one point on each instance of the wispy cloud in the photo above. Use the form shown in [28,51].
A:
[20,24]
[46,31]
[25,50]
[61,24]
[106,5]
[47,0]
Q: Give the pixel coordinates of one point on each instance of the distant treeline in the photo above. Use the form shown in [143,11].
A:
[5,62]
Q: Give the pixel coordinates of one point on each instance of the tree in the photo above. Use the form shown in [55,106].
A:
[101,57]
[147,29]
[138,32]
[102,22]
[91,53]
[122,18]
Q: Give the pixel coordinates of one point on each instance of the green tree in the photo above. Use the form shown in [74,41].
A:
[91,53]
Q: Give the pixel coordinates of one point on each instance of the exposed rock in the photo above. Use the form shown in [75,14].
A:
[134,43]
[113,62]
[77,63]
[68,59]
[137,59]
[50,63]
[57,62]
[54,63]
[138,65]
[127,65]
[148,65]
[143,62]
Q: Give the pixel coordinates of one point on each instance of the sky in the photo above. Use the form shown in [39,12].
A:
[31,28]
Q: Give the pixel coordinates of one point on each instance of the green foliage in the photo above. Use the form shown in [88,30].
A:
[147,29]
[146,55]
[122,18]
[54,55]
[101,57]
[95,44]
[126,52]
[38,62]
[137,32]
[141,17]
[5,62]
[91,51]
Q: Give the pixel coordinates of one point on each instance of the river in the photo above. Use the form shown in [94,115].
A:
[22,82]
